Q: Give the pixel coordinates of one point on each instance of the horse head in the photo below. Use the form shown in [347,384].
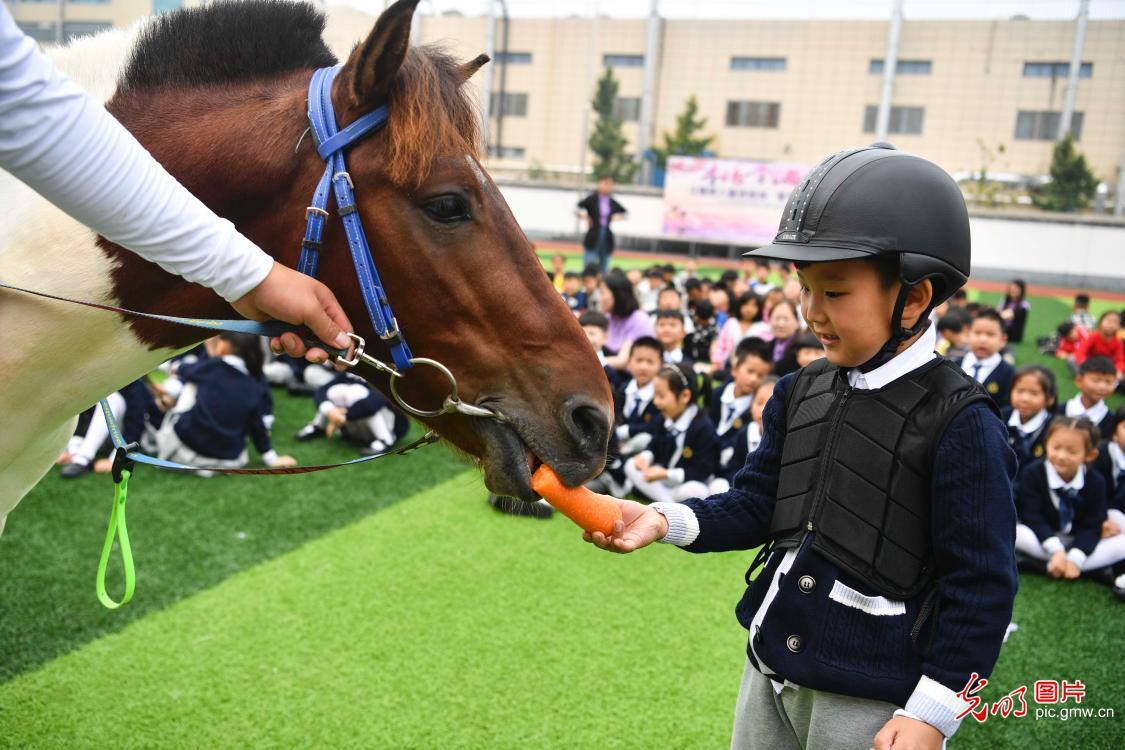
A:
[460,275]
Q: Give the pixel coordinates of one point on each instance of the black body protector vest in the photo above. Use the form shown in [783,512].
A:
[856,469]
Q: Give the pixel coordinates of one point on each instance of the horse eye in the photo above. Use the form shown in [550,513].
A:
[447,209]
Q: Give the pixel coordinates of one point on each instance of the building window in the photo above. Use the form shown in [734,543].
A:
[775,64]
[507,152]
[627,108]
[903,120]
[40,31]
[1055,70]
[903,67]
[513,58]
[753,114]
[73,29]
[1044,126]
[163,6]
[623,61]
[515,105]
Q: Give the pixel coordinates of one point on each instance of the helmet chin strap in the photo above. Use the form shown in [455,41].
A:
[898,333]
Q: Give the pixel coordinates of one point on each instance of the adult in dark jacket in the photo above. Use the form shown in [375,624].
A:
[600,208]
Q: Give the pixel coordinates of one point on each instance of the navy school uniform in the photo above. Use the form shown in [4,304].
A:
[230,404]
[140,407]
[636,415]
[729,415]
[368,406]
[576,302]
[825,628]
[998,382]
[1110,464]
[614,376]
[746,441]
[1099,414]
[1028,441]
[1037,510]
[676,357]
[699,456]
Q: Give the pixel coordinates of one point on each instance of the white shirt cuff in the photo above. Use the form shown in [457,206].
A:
[623,432]
[1076,556]
[326,407]
[683,526]
[1053,544]
[675,476]
[936,705]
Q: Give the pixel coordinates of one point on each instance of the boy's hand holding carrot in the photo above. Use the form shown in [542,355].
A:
[609,523]
[639,527]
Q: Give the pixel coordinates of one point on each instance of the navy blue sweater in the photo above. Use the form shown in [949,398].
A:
[229,405]
[846,650]
[1038,513]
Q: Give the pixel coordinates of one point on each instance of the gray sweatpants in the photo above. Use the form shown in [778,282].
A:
[802,719]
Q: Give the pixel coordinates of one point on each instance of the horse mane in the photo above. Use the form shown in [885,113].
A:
[430,114]
[230,42]
[226,42]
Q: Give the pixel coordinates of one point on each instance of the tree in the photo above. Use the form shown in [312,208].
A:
[1072,183]
[607,141]
[685,140]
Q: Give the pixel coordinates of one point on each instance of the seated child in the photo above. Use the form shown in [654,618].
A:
[671,299]
[670,333]
[685,449]
[697,345]
[1110,463]
[984,361]
[224,401]
[1096,379]
[572,294]
[1080,312]
[808,348]
[730,412]
[130,406]
[1033,405]
[952,336]
[637,417]
[590,277]
[1061,506]
[1103,342]
[363,415]
[596,327]
[748,438]
[1070,336]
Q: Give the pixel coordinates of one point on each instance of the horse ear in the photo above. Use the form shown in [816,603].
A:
[465,71]
[374,63]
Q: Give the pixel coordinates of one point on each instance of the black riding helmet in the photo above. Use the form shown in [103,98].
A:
[872,202]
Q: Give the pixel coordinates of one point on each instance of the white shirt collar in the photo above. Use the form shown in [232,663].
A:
[684,420]
[1030,425]
[1055,482]
[673,357]
[915,355]
[728,397]
[1096,413]
[601,358]
[236,362]
[1117,455]
[645,393]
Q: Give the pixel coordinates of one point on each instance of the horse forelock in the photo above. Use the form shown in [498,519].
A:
[431,114]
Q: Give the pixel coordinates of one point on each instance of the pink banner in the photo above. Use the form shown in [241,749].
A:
[723,200]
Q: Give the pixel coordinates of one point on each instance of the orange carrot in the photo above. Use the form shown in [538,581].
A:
[588,509]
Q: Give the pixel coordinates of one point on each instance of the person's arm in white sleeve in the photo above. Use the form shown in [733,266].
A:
[69,149]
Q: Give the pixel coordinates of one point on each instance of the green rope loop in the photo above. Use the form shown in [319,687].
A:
[117,528]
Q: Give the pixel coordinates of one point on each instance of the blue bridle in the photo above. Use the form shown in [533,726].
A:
[331,143]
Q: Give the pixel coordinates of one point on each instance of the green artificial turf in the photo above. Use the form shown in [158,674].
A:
[440,623]
[187,534]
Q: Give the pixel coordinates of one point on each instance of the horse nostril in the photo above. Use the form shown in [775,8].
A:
[587,424]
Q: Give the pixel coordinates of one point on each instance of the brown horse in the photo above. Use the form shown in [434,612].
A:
[217,94]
